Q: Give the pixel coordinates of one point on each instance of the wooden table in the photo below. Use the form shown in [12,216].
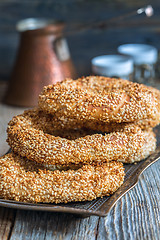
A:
[135,216]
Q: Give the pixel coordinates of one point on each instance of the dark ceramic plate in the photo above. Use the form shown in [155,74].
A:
[100,206]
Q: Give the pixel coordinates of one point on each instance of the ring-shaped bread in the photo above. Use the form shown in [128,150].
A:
[66,124]
[27,138]
[102,99]
[24,181]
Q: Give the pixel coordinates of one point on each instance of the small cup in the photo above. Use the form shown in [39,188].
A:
[117,66]
[144,57]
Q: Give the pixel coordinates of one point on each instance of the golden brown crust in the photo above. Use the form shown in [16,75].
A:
[101,99]
[65,123]
[73,128]
[27,139]
[59,159]
[22,180]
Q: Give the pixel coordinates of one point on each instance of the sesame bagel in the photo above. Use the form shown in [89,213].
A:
[65,123]
[24,181]
[101,99]
[27,138]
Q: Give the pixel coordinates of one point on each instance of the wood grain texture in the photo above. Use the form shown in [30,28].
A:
[7,217]
[137,215]
[38,225]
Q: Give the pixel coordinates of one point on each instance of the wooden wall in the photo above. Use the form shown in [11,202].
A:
[83,46]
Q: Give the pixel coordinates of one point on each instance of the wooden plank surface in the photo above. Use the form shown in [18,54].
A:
[135,216]
[7,217]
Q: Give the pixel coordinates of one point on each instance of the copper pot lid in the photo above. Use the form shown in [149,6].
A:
[37,24]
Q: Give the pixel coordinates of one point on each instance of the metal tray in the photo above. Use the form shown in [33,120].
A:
[98,207]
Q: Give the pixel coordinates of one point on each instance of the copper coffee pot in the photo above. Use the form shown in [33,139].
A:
[43,58]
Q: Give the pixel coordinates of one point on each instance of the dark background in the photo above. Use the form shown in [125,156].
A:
[86,45]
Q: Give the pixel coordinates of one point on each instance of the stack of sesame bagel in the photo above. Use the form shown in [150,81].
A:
[73,145]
